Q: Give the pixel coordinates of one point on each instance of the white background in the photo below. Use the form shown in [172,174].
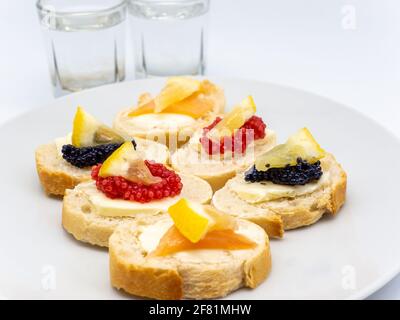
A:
[308,44]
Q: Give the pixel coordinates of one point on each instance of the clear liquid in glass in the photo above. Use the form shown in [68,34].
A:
[169,37]
[85,50]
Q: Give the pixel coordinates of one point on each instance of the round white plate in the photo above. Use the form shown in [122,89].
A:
[348,256]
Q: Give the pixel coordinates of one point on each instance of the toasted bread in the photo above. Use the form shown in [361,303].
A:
[80,219]
[195,274]
[172,130]
[215,171]
[57,175]
[295,212]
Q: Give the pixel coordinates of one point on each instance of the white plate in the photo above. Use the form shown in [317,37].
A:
[349,256]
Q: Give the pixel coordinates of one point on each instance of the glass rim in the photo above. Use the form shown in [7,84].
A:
[116,7]
[186,1]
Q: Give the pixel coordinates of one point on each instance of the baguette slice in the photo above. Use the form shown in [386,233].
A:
[57,175]
[195,274]
[172,130]
[295,212]
[80,219]
[215,171]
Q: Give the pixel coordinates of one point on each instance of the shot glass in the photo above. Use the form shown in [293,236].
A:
[169,37]
[85,42]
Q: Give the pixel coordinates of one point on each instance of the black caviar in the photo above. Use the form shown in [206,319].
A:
[299,174]
[89,156]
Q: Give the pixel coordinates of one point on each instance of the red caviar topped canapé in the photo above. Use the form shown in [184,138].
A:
[234,131]
[253,129]
[124,175]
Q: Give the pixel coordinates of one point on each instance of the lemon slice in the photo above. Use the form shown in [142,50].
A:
[234,119]
[300,145]
[176,89]
[88,131]
[221,221]
[194,220]
[128,163]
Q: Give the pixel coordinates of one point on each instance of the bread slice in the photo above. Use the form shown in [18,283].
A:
[172,130]
[196,274]
[80,219]
[57,175]
[192,160]
[327,197]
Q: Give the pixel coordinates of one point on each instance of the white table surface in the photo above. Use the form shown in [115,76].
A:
[302,43]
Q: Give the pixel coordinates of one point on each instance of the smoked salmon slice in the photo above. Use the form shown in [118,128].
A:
[173,241]
[194,106]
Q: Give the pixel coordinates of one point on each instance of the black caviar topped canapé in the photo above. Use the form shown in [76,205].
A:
[89,156]
[299,174]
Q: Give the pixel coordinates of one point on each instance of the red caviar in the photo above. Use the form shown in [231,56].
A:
[253,129]
[121,188]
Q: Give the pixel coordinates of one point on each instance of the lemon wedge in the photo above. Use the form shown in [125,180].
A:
[88,131]
[194,220]
[234,119]
[176,89]
[128,163]
[300,145]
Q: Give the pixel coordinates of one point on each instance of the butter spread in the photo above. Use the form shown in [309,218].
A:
[104,206]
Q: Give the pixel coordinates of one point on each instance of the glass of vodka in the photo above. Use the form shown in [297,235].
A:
[85,41]
[169,36]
